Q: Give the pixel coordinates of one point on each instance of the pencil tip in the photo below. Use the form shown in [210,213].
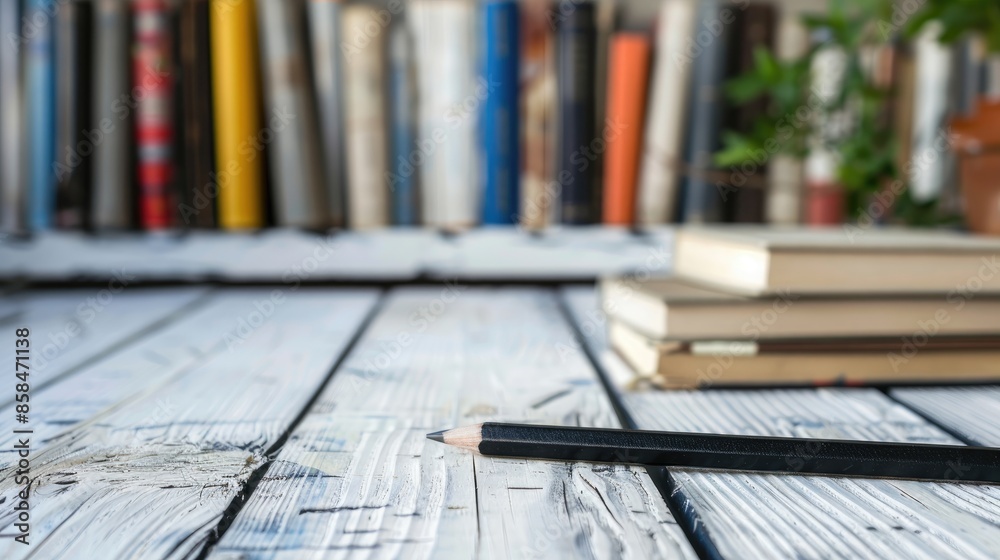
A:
[437,436]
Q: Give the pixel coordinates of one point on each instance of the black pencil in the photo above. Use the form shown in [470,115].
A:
[952,463]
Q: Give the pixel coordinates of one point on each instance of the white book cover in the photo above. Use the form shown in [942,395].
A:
[450,95]
[784,191]
[365,118]
[663,146]
[931,153]
[296,170]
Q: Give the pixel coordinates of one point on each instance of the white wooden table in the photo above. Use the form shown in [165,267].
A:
[288,422]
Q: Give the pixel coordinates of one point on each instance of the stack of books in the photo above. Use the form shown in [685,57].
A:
[752,306]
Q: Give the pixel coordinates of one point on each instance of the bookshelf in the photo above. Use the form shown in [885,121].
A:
[174,115]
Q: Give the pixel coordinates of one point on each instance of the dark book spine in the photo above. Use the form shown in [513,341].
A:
[702,198]
[197,207]
[73,64]
[576,52]
[754,28]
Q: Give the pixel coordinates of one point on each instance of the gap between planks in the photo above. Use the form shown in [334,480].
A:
[241,498]
[660,476]
[811,516]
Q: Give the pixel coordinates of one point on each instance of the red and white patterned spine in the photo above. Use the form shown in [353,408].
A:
[153,91]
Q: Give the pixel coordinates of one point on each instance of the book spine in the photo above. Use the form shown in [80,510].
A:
[755,29]
[449,97]
[325,36]
[236,105]
[112,194]
[365,108]
[665,125]
[72,102]
[404,181]
[198,209]
[153,75]
[40,67]
[606,19]
[931,111]
[296,170]
[784,190]
[627,73]
[12,185]
[538,101]
[575,67]
[702,202]
[500,116]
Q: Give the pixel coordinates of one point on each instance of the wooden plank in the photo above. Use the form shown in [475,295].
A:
[972,413]
[71,327]
[194,337]
[359,478]
[591,323]
[152,477]
[578,253]
[289,256]
[766,516]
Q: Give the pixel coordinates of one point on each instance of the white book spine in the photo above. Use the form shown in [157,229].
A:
[449,100]
[365,119]
[784,196]
[663,145]
[930,163]
[296,170]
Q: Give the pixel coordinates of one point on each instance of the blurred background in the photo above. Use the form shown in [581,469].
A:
[451,114]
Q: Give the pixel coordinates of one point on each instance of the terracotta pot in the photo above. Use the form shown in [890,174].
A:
[977,145]
[824,204]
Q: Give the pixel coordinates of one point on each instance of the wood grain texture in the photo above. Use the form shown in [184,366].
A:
[973,413]
[583,306]
[742,515]
[137,370]
[71,328]
[151,475]
[358,478]
[291,257]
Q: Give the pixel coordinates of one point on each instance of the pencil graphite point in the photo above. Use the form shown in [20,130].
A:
[437,436]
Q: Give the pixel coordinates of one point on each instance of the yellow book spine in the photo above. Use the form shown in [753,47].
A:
[236,103]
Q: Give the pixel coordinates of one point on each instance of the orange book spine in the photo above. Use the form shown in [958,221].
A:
[628,70]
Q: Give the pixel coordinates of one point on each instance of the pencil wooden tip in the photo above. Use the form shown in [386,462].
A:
[467,437]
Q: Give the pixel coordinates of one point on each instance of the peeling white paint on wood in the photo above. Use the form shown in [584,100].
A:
[769,516]
[288,255]
[68,328]
[971,412]
[136,371]
[819,517]
[358,478]
[150,476]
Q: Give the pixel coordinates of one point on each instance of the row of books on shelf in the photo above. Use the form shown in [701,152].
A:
[750,306]
[446,113]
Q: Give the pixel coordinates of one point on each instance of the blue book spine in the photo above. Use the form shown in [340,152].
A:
[499,118]
[404,184]
[41,99]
